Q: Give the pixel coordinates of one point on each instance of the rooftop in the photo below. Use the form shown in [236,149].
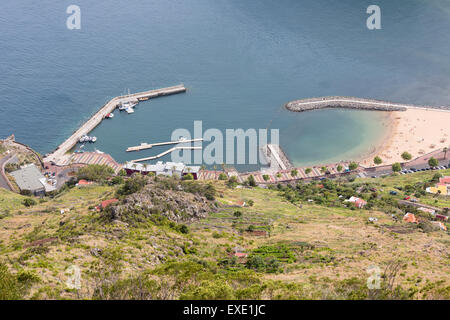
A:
[28,178]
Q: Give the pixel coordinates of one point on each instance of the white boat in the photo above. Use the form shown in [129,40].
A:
[129,110]
[127,104]
[93,139]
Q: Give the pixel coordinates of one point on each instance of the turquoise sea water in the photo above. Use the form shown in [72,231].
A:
[241,60]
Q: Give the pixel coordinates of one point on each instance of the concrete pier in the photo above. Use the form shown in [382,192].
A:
[145,146]
[60,154]
[276,157]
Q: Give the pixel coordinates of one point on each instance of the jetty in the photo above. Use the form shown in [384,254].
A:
[60,154]
[164,153]
[276,157]
[352,103]
[144,146]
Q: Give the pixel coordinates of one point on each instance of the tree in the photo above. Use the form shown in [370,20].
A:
[95,172]
[339,168]
[188,176]
[294,173]
[353,166]
[28,202]
[232,181]
[323,169]
[445,152]
[308,170]
[433,162]
[237,214]
[251,181]
[132,185]
[266,177]
[406,156]
[396,167]
[377,160]
[223,176]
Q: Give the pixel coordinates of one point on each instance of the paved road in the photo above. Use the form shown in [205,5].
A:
[3,179]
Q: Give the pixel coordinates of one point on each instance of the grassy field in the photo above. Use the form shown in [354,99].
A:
[329,244]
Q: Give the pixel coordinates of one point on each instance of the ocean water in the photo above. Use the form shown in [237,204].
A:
[241,61]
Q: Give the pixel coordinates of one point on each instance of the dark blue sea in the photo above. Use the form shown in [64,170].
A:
[241,61]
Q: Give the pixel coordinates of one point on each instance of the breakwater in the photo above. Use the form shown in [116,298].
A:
[61,153]
[351,103]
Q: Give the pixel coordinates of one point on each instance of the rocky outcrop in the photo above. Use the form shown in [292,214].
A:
[348,103]
[176,205]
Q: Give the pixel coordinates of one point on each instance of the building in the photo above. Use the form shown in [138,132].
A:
[160,168]
[106,203]
[442,187]
[411,218]
[29,178]
[359,203]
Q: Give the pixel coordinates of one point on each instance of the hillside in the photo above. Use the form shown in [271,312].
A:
[190,240]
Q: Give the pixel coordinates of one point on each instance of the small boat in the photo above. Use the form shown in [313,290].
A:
[84,139]
[110,115]
[126,105]
[98,151]
[129,110]
[93,139]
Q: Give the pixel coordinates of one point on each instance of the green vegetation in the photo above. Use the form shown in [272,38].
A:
[95,172]
[299,241]
[396,167]
[308,170]
[353,166]
[433,162]
[377,160]
[223,176]
[406,156]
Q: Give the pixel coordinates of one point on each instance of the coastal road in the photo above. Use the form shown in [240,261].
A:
[3,179]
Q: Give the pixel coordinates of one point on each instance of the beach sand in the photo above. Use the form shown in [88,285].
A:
[417,131]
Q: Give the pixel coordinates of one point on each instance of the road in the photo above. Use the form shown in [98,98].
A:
[3,179]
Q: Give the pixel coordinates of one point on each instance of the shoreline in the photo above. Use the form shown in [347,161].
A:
[417,131]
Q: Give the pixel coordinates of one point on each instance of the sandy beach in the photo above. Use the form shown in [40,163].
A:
[417,131]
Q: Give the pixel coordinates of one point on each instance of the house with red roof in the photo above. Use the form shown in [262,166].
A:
[106,203]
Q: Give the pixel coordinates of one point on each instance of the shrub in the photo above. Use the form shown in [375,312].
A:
[406,156]
[377,160]
[308,170]
[251,181]
[28,202]
[433,162]
[132,185]
[95,172]
[250,203]
[396,167]
[188,176]
[223,177]
[237,214]
[353,166]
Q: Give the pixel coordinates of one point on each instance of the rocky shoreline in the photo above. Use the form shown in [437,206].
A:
[349,103]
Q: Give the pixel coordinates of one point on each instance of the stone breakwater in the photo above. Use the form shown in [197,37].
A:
[350,103]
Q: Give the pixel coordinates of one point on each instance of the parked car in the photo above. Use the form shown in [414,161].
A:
[407,198]
[394,193]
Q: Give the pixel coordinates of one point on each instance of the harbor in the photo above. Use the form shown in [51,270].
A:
[61,153]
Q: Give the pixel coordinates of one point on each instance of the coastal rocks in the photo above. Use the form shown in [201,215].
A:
[344,103]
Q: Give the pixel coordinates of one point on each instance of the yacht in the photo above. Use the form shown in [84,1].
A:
[129,110]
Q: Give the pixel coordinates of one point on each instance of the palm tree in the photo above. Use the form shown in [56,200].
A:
[145,167]
[445,153]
